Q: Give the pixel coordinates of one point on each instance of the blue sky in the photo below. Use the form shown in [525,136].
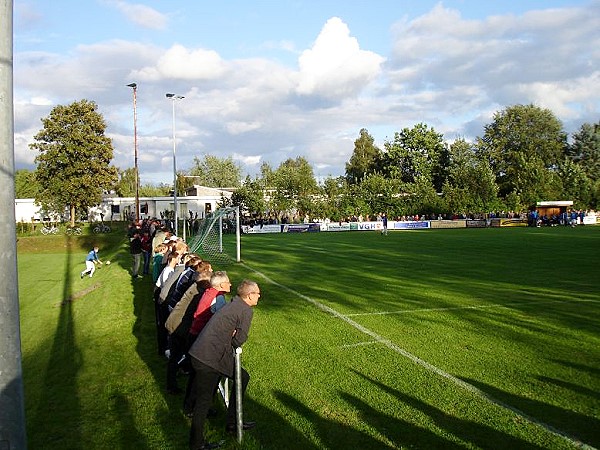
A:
[269,80]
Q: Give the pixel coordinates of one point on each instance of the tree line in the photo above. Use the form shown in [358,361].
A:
[523,156]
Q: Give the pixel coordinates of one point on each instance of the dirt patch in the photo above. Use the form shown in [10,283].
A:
[80,294]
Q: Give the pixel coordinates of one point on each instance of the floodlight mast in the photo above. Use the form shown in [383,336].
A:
[135,152]
[12,405]
[174,97]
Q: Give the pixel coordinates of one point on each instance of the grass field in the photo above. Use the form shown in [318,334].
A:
[422,339]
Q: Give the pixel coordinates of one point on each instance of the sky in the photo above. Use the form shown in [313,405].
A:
[268,80]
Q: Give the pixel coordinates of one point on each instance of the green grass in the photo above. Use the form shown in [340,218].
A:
[422,339]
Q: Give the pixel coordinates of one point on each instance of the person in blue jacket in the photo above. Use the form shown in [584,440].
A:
[90,262]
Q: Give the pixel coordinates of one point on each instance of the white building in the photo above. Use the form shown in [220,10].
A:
[200,200]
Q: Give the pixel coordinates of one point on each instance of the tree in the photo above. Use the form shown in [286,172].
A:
[585,150]
[523,146]
[249,197]
[380,195]
[577,186]
[73,165]
[293,185]
[364,159]
[25,184]
[585,153]
[336,199]
[471,184]
[151,190]
[416,153]
[125,186]
[213,171]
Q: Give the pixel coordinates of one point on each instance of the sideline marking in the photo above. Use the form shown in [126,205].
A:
[467,386]
[450,308]
[359,344]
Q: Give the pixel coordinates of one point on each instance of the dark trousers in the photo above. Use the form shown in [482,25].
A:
[178,348]
[146,256]
[161,312]
[205,382]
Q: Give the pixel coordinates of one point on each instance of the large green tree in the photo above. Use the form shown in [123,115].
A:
[26,185]
[524,145]
[293,186]
[125,186]
[585,149]
[585,153]
[470,185]
[250,197]
[73,164]
[212,171]
[417,153]
[364,159]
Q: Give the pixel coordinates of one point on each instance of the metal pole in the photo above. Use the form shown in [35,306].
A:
[12,405]
[238,394]
[135,149]
[237,234]
[174,97]
[220,234]
[174,170]
[135,153]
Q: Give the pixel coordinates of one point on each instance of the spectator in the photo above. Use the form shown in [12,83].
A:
[135,248]
[212,358]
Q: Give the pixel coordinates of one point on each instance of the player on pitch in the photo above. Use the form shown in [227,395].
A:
[90,262]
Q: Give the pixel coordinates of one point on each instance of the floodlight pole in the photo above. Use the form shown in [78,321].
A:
[174,97]
[135,153]
[12,404]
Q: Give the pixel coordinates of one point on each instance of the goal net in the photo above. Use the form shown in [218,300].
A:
[218,237]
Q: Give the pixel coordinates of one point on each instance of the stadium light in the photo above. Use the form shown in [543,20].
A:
[135,153]
[174,97]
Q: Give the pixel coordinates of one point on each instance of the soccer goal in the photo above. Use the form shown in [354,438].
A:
[215,236]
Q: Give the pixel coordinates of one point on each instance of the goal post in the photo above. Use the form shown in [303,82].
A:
[214,238]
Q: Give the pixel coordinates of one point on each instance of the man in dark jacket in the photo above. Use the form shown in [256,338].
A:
[212,358]
[135,248]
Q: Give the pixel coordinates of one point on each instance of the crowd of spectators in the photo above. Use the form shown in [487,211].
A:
[187,294]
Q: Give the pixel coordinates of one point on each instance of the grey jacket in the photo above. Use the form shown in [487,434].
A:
[215,343]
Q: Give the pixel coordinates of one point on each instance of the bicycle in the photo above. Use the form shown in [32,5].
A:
[73,231]
[49,229]
[101,228]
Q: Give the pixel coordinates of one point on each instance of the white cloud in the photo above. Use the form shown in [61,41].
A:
[179,62]
[547,57]
[336,67]
[248,160]
[238,127]
[446,71]
[142,15]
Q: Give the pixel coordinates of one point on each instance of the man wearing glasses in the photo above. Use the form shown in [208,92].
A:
[212,358]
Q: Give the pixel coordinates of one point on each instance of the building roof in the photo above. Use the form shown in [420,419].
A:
[556,203]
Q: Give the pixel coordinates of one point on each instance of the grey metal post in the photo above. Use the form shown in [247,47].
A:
[238,393]
[237,234]
[220,234]
[12,409]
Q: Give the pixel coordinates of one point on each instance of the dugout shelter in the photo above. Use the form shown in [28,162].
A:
[553,208]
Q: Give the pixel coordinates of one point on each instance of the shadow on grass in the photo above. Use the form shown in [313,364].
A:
[59,400]
[329,433]
[129,436]
[579,426]
[477,434]
[171,420]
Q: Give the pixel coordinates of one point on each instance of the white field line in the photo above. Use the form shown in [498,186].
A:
[450,308]
[359,344]
[469,387]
